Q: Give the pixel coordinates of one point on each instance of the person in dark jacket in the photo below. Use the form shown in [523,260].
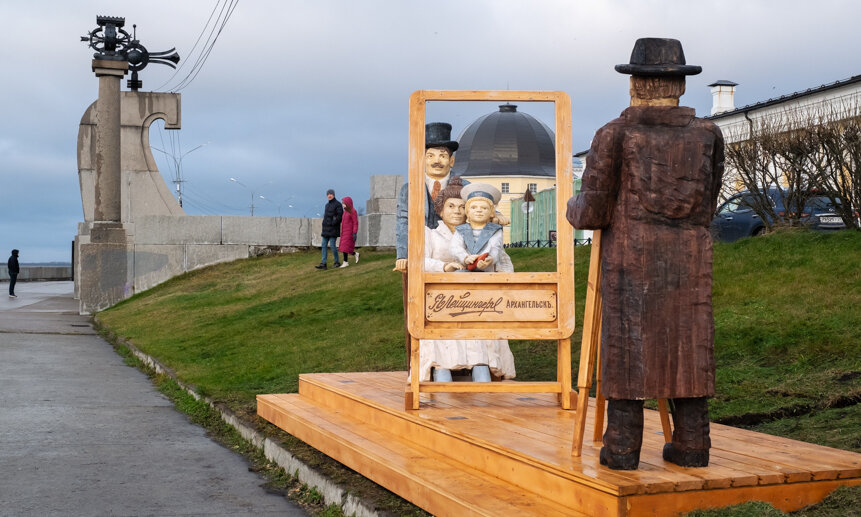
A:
[332,213]
[14,269]
[651,184]
[349,231]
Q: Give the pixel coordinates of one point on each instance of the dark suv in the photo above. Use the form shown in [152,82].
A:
[736,218]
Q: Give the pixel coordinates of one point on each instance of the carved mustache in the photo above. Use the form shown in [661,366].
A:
[437,165]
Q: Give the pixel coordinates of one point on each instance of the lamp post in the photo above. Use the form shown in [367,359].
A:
[528,198]
[234,180]
[177,166]
[288,202]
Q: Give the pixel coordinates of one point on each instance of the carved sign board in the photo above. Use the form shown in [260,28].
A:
[459,304]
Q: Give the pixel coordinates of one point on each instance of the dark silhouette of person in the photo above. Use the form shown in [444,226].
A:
[14,269]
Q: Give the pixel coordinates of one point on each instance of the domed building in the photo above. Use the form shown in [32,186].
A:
[510,150]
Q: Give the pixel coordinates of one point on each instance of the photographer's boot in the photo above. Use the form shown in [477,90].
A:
[624,436]
[691,442]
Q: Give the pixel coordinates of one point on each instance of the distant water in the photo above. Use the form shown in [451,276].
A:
[50,264]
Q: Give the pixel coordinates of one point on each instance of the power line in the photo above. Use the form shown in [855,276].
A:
[233,5]
[224,15]
[191,52]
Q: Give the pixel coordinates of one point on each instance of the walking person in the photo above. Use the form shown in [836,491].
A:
[14,269]
[332,213]
[349,231]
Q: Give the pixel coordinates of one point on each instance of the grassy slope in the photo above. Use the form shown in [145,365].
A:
[235,330]
[788,329]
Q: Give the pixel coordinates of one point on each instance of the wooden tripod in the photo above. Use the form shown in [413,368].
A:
[590,359]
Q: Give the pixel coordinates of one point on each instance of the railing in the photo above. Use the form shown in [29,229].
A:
[35,273]
[545,244]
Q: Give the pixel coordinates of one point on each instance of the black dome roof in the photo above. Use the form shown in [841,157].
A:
[506,143]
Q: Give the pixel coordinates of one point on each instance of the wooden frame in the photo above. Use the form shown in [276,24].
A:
[559,325]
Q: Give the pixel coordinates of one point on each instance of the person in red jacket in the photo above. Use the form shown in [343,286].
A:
[349,231]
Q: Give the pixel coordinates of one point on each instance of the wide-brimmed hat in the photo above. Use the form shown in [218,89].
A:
[482,190]
[658,57]
[438,134]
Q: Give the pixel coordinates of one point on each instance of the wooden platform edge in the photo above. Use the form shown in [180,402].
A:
[407,482]
[784,497]
[315,388]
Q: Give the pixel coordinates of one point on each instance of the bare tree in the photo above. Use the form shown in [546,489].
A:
[750,160]
[837,170]
[791,156]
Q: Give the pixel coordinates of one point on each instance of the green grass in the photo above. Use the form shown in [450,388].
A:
[787,324]
[235,330]
[787,320]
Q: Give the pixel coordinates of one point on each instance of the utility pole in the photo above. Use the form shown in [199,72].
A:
[177,167]
[529,198]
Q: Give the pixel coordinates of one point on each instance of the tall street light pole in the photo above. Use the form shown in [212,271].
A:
[177,166]
[234,180]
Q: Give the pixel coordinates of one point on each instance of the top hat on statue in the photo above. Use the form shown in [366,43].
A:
[658,57]
[438,134]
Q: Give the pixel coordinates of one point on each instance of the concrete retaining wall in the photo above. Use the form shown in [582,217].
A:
[165,246]
[162,246]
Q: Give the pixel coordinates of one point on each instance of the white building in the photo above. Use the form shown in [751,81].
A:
[834,101]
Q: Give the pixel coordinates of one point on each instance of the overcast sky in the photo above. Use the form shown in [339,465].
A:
[299,97]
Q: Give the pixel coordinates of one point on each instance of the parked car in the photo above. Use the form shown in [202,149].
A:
[736,218]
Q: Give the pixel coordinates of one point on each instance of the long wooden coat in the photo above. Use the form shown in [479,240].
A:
[651,184]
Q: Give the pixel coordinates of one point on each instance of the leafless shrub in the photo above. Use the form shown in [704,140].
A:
[798,154]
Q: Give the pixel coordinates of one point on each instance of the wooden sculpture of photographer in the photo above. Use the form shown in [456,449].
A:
[651,184]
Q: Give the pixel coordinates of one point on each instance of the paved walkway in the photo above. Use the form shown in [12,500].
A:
[83,434]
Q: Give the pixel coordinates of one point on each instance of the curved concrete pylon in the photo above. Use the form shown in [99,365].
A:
[144,191]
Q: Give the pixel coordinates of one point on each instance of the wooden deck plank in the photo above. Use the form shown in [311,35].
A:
[725,473]
[592,474]
[459,445]
[430,477]
[509,436]
[750,469]
[822,462]
[529,434]
[542,438]
[787,498]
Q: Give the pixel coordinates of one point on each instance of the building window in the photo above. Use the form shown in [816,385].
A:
[505,188]
[533,187]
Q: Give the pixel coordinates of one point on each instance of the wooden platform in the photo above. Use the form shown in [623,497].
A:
[510,454]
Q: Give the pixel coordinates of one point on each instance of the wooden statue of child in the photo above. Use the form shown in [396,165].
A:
[481,356]
[478,243]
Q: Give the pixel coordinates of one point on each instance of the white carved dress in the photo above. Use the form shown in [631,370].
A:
[457,354]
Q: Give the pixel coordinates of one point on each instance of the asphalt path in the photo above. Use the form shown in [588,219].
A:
[82,434]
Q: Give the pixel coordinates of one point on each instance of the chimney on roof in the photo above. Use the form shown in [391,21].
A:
[722,96]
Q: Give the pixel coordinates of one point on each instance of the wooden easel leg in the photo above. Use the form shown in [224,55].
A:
[591,340]
[563,373]
[414,372]
[600,403]
[665,420]
[405,285]
[580,422]
[600,411]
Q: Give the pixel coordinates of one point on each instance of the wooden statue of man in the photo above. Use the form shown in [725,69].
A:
[439,159]
[651,184]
